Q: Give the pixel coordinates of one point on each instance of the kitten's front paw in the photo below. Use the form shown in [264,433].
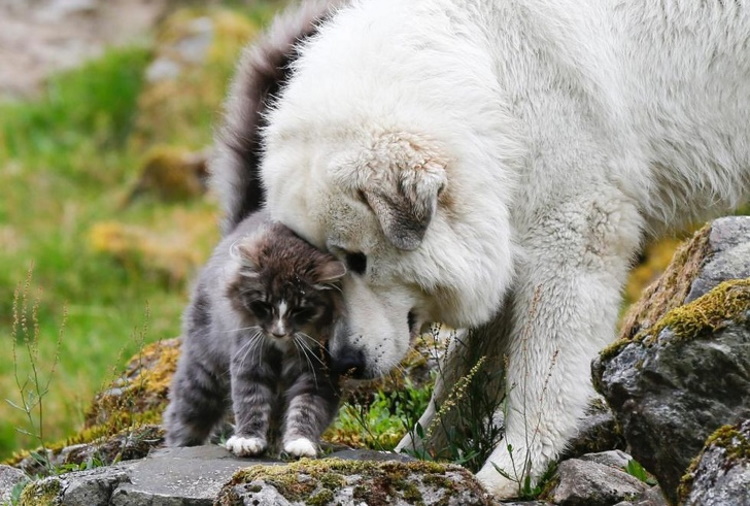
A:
[301,447]
[245,446]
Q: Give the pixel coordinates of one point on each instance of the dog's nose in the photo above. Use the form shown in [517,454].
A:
[349,362]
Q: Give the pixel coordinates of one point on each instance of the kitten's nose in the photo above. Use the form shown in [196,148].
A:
[278,334]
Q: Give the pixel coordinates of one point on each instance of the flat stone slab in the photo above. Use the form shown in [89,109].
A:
[167,477]
[180,476]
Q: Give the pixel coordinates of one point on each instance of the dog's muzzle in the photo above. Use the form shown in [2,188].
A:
[349,362]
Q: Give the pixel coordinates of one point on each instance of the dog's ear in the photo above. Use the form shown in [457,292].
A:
[404,194]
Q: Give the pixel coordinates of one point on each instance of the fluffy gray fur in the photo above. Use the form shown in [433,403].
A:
[256,328]
[261,73]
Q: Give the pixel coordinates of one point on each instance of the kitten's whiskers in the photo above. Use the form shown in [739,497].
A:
[302,347]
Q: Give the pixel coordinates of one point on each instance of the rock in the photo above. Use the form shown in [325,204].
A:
[39,38]
[652,497]
[721,474]
[140,393]
[660,378]
[587,483]
[102,450]
[597,432]
[10,477]
[198,475]
[729,243]
[337,481]
[612,458]
[172,174]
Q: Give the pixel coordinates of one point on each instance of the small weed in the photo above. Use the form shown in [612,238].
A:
[635,469]
[32,388]
[381,424]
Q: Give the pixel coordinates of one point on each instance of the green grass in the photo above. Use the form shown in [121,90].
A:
[65,164]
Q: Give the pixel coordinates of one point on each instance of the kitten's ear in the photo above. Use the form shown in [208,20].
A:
[244,252]
[330,271]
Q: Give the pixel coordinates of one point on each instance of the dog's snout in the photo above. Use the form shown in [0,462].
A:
[350,362]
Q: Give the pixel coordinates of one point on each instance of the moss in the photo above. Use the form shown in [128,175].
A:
[172,174]
[320,498]
[42,493]
[671,288]
[735,443]
[381,481]
[728,302]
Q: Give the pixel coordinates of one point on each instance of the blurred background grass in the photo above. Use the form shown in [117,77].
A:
[69,161]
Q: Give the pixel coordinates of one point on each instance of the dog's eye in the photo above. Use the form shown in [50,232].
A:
[356,262]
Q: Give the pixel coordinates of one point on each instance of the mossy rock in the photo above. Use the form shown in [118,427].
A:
[45,492]
[663,386]
[171,174]
[334,481]
[169,252]
[141,391]
[720,474]
[122,422]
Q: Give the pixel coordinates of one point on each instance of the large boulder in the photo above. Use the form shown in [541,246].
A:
[661,377]
[721,474]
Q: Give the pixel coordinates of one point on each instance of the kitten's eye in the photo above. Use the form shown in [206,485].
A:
[303,315]
[260,309]
[356,262]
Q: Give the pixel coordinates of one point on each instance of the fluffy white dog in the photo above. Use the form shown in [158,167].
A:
[478,162]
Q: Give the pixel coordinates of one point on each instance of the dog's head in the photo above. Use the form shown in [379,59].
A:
[417,246]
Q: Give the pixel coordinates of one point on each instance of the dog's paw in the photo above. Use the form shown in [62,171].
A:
[497,484]
[245,446]
[301,447]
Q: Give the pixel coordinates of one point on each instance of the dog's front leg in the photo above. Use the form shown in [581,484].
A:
[564,310]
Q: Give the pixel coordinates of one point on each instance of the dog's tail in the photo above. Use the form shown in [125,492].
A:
[260,75]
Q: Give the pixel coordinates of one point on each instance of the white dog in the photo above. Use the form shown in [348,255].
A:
[462,154]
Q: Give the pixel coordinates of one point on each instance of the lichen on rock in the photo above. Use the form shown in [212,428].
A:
[332,481]
[729,302]
[720,474]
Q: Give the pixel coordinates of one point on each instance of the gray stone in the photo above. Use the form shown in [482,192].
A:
[93,487]
[9,478]
[526,503]
[729,243]
[585,483]
[336,481]
[597,432]
[195,476]
[651,497]
[669,398]
[181,476]
[661,381]
[612,458]
[722,474]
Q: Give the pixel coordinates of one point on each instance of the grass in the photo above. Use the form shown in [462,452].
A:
[67,161]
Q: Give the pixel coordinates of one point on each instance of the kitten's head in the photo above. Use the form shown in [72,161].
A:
[285,286]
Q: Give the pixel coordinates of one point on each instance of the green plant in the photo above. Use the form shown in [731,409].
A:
[34,385]
[635,469]
[382,423]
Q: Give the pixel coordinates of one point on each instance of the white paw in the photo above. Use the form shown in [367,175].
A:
[497,484]
[301,447]
[245,446]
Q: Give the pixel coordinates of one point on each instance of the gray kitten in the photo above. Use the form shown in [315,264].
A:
[256,327]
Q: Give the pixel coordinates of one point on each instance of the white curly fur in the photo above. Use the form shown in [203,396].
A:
[560,134]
